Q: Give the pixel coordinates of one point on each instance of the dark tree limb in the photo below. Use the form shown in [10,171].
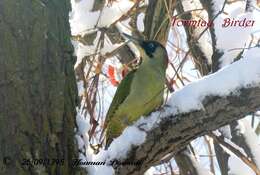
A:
[217,54]
[175,132]
[184,162]
[222,158]
[239,138]
[221,155]
[98,5]
[200,59]
[237,152]
[158,20]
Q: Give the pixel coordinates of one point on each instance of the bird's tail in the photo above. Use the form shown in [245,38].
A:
[113,130]
[108,142]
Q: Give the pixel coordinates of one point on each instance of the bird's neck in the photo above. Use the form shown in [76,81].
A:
[159,63]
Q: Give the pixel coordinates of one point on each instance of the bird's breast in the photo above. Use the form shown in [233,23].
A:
[145,96]
[148,85]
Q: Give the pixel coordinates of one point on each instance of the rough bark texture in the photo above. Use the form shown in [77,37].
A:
[37,87]
[157,20]
[200,59]
[239,138]
[184,162]
[217,54]
[222,158]
[175,132]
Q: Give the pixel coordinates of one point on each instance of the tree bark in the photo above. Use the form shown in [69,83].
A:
[37,88]
[158,20]
[222,158]
[201,61]
[175,132]
[184,162]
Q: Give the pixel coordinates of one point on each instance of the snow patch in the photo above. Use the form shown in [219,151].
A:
[83,20]
[121,145]
[251,139]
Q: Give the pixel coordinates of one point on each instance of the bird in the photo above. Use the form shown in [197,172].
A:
[140,92]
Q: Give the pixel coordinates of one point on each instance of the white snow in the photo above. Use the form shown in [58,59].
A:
[205,44]
[227,37]
[225,130]
[83,20]
[237,167]
[251,139]
[140,22]
[189,98]
[121,145]
[83,126]
[231,39]
[200,169]
[217,4]
[81,89]
[113,13]
[118,149]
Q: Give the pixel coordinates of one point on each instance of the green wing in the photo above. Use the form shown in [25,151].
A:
[122,92]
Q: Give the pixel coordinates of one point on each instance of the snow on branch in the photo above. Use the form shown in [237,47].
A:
[199,107]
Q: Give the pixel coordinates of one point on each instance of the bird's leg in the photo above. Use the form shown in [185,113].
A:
[163,107]
[96,148]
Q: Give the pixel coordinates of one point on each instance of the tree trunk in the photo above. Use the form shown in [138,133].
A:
[37,88]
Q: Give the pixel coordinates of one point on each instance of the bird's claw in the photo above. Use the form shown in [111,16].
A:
[162,108]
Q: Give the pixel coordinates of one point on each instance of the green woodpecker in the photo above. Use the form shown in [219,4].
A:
[141,91]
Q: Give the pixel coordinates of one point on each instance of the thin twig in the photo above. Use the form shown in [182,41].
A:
[236,152]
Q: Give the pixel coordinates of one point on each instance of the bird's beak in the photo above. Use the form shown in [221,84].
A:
[138,42]
[133,39]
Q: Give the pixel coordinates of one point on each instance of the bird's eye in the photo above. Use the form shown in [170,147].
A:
[151,46]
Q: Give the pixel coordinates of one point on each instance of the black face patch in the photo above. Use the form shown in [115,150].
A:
[149,47]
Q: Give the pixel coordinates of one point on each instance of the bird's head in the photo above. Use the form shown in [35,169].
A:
[150,50]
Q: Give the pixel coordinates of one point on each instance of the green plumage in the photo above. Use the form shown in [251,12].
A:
[139,93]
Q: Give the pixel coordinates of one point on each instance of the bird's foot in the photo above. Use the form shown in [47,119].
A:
[96,148]
[162,108]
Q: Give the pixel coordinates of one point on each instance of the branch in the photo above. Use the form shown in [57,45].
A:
[202,63]
[186,120]
[177,131]
[158,20]
[245,159]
